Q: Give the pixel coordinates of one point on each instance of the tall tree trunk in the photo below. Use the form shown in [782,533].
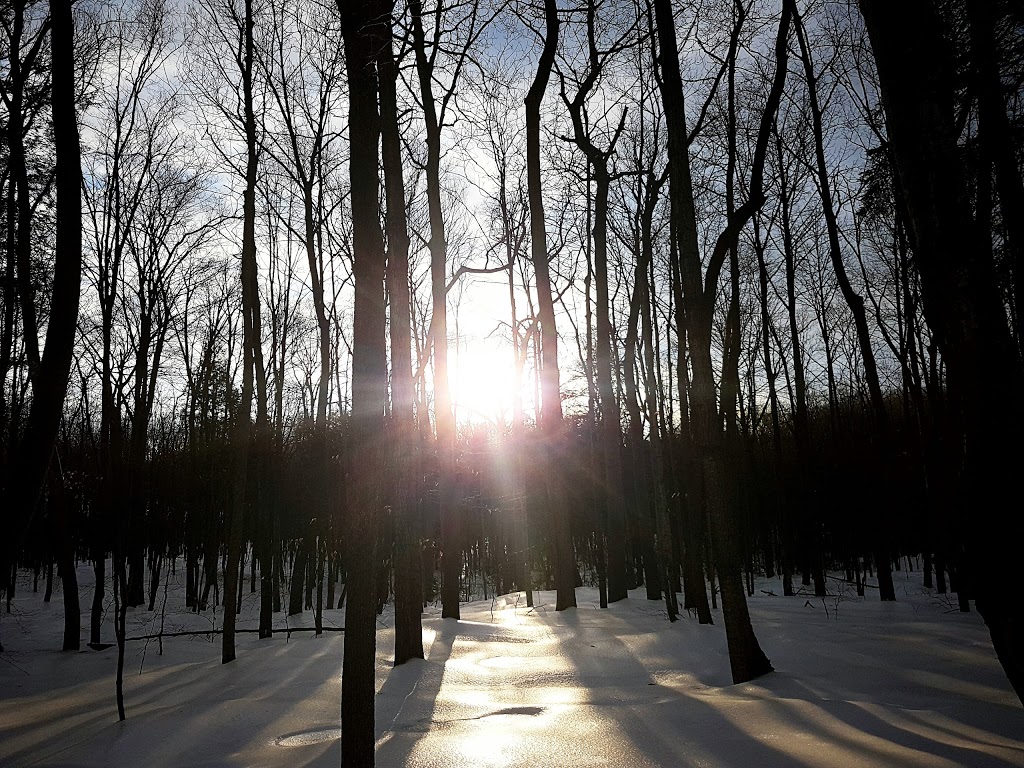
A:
[250,340]
[18,165]
[609,429]
[320,525]
[745,654]
[551,403]
[365,30]
[691,495]
[50,386]
[960,301]
[438,247]
[856,304]
[779,514]
[642,485]
[519,524]
[19,285]
[136,458]
[666,555]
[997,141]
[611,487]
[408,575]
[801,421]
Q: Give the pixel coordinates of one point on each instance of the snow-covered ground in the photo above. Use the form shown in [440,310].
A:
[858,683]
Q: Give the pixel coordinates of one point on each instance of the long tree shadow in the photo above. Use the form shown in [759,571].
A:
[194,698]
[778,720]
[646,723]
[867,726]
[406,702]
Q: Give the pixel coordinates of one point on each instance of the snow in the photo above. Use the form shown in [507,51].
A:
[857,683]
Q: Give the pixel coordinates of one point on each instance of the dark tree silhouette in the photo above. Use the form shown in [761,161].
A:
[550,420]
[50,384]
[408,575]
[961,303]
[365,30]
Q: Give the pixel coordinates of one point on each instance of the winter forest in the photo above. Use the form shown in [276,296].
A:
[354,310]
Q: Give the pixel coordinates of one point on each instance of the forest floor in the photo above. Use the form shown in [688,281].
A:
[857,683]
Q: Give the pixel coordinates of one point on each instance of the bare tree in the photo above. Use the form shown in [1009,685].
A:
[457,27]
[958,289]
[551,400]
[408,576]
[852,298]
[231,24]
[745,655]
[598,160]
[364,28]
[301,63]
[26,92]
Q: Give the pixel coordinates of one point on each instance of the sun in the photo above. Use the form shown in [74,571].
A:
[483,382]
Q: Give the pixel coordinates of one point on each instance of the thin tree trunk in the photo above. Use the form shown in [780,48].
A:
[691,501]
[551,403]
[408,574]
[801,421]
[120,617]
[438,247]
[746,657]
[641,465]
[666,558]
[856,304]
[250,341]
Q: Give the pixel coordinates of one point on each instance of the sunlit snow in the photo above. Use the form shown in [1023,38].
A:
[858,683]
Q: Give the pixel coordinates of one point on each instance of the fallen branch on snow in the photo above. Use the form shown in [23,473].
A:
[198,632]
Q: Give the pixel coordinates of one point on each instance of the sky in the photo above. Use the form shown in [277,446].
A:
[482,369]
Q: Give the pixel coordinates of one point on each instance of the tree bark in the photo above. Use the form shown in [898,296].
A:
[856,304]
[50,386]
[364,30]
[960,301]
[745,654]
[996,135]
[444,418]
[642,486]
[551,404]
[250,341]
[408,575]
